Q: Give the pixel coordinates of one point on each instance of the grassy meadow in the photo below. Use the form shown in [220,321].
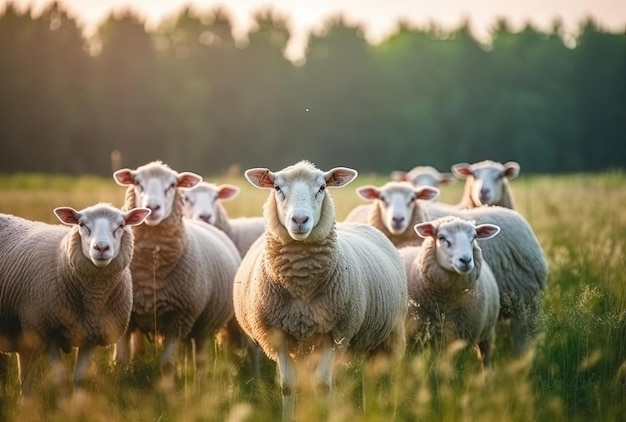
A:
[575,371]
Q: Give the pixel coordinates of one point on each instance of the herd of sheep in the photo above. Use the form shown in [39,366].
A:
[403,270]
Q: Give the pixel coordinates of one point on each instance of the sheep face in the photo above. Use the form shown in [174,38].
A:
[423,176]
[155,187]
[454,240]
[101,228]
[397,201]
[299,192]
[201,200]
[488,177]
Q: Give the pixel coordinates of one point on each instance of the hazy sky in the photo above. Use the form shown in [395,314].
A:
[378,17]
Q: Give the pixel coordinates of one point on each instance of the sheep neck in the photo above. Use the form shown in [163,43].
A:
[301,268]
[157,248]
[441,280]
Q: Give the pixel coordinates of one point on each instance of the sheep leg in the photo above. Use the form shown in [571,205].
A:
[287,381]
[121,354]
[83,361]
[57,369]
[324,372]
[168,356]
[521,331]
[26,370]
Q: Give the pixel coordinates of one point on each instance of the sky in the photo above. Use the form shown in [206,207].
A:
[377,17]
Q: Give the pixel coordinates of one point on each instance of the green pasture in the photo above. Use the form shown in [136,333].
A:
[575,371]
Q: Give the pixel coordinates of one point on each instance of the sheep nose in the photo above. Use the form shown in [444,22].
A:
[205,217]
[397,220]
[101,247]
[153,208]
[466,260]
[300,220]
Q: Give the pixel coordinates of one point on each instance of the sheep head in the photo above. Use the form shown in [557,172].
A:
[299,192]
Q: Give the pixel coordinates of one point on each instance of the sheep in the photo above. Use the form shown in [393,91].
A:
[418,176]
[312,285]
[453,294]
[423,176]
[515,256]
[486,183]
[203,202]
[182,270]
[518,262]
[396,208]
[64,288]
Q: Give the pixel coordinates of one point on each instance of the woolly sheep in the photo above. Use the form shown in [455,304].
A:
[423,176]
[418,176]
[182,270]
[203,202]
[486,183]
[64,288]
[309,284]
[453,294]
[515,256]
[396,208]
[516,259]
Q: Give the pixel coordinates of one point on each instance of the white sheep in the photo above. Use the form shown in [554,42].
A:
[182,270]
[203,202]
[516,259]
[419,176]
[64,288]
[515,256]
[486,183]
[423,176]
[453,294]
[396,207]
[311,285]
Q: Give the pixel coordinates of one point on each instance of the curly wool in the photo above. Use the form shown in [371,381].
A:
[182,273]
[50,293]
[324,285]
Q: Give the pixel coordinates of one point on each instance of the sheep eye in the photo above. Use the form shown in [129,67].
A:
[443,240]
[138,187]
[277,188]
[170,187]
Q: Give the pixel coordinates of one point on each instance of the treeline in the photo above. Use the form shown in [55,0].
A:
[191,94]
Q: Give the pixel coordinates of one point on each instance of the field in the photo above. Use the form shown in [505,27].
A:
[576,370]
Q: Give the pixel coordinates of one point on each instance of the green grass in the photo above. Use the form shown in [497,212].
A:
[576,370]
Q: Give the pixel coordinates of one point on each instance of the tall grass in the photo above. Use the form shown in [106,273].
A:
[575,371]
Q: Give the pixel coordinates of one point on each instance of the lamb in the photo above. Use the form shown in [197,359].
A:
[453,294]
[311,285]
[418,176]
[486,183]
[182,270]
[396,208]
[423,176]
[203,202]
[64,288]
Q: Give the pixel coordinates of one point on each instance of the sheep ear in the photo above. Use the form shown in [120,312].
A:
[339,176]
[511,170]
[486,231]
[425,230]
[260,177]
[227,192]
[67,215]
[124,177]
[136,216]
[188,180]
[370,193]
[426,192]
[446,179]
[398,176]
[462,170]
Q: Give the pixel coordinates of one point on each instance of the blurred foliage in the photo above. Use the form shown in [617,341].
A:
[191,94]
